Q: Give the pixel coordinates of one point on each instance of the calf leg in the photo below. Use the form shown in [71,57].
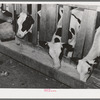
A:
[17,41]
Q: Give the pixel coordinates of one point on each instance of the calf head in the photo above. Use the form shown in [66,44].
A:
[85,69]
[25,23]
[56,52]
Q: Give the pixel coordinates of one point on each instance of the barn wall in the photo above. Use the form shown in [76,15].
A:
[48,24]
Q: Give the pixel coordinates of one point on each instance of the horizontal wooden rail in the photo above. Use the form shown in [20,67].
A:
[89,7]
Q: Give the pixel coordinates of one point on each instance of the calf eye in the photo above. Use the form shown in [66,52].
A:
[56,40]
[89,70]
[73,31]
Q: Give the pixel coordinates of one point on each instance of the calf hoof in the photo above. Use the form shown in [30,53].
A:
[18,42]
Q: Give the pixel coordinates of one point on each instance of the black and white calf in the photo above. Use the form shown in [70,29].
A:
[6,26]
[6,31]
[75,21]
[85,65]
[56,48]
[25,23]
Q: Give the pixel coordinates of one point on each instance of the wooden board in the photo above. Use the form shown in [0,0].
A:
[83,6]
[11,9]
[90,31]
[51,20]
[34,32]
[48,21]
[39,60]
[4,6]
[66,23]
[88,21]
[42,33]
[18,8]
[24,8]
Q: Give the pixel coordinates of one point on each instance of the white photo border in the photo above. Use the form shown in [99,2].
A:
[12,93]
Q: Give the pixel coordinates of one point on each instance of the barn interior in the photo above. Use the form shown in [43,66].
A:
[32,53]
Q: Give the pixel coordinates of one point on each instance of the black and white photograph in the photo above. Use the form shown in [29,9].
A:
[49,45]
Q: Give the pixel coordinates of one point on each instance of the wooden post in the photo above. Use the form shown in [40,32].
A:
[18,8]
[11,9]
[34,30]
[85,34]
[42,33]
[90,31]
[51,21]
[66,23]
[48,21]
[24,8]
[4,6]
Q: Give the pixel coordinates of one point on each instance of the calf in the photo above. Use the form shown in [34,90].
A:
[75,21]
[56,48]
[25,23]
[6,27]
[6,31]
[85,65]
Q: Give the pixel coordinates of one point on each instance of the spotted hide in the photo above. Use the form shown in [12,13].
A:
[56,47]
[86,65]
[24,23]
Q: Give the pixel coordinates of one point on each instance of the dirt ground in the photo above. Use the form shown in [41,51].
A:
[16,75]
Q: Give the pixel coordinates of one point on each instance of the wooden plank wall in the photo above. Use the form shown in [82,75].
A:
[34,31]
[24,9]
[90,30]
[86,33]
[65,23]
[51,21]
[18,8]
[11,9]
[48,21]
[42,33]
[4,6]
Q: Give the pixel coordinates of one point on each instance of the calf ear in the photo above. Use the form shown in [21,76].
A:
[91,63]
[7,13]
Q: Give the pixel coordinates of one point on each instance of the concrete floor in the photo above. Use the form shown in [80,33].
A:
[16,75]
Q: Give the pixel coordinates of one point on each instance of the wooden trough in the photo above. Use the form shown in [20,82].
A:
[38,59]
